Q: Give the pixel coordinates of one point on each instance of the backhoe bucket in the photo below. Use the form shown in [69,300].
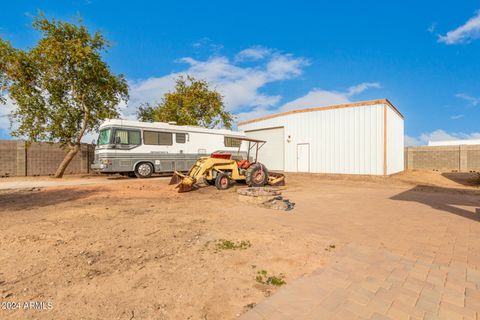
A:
[183,183]
[176,178]
[276,179]
[186,184]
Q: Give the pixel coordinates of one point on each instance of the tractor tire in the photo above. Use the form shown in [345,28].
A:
[256,175]
[144,170]
[222,182]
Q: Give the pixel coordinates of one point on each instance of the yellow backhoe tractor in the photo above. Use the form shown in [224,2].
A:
[221,169]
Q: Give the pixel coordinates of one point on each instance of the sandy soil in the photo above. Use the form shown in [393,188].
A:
[139,250]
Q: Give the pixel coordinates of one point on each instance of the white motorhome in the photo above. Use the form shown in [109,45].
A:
[141,148]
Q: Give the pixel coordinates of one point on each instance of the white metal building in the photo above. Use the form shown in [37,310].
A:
[355,138]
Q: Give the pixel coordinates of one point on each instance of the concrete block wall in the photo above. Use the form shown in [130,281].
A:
[40,158]
[8,158]
[473,156]
[464,158]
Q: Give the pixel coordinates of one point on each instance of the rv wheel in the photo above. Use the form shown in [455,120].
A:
[144,170]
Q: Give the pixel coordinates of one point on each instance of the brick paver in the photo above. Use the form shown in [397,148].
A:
[362,282]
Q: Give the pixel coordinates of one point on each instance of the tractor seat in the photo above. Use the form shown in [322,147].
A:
[220,155]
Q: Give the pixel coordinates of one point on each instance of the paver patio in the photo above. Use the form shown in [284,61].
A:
[366,283]
[420,262]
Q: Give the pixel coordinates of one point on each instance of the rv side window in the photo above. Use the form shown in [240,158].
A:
[150,137]
[157,138]
[128,136]
[232,142]
[165,138]
[104,136]
[180,137]
[134,137]
[123,135]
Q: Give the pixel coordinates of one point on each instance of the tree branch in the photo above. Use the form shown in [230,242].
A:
[84,120]
[84,123]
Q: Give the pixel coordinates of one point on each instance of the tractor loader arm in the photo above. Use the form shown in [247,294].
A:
[202,168]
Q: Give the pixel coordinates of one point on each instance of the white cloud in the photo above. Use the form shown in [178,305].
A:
[255,113]
[313,99]
[472,100]
[240,86]
[410,141]
[252,54]
[282,67]
[317,98]
[457,116]
[463,34]
[207,44]
[5,110]
[362,87]
[320,97]
[439,135]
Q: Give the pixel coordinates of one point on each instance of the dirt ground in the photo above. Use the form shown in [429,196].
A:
[138,250]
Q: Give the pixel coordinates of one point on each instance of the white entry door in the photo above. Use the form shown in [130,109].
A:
[303,157]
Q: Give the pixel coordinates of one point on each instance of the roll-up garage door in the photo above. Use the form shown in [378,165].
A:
[272,153]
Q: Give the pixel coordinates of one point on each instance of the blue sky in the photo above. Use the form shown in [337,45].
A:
[266,57]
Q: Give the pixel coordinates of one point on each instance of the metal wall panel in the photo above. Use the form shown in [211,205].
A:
[395,142]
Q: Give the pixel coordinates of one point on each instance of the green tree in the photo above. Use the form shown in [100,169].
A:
[192,102]
[62,88]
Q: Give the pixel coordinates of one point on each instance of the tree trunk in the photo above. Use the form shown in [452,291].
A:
[66,161]
[74,148]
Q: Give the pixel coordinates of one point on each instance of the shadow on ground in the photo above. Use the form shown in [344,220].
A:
[461,202]
[463,178]
[21,199]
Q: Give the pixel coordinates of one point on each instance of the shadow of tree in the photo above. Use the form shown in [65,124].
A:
[446,199]
[21,199]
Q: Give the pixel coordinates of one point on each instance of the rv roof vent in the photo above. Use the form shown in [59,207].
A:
[172,123]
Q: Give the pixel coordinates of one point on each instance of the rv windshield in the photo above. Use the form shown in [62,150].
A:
[104,136]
